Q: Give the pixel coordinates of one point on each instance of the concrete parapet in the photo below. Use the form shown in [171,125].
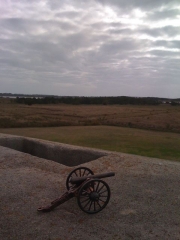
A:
[62,153]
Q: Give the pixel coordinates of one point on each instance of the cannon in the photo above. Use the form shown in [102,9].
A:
[93,194]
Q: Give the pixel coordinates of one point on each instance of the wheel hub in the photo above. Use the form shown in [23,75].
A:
[94,196]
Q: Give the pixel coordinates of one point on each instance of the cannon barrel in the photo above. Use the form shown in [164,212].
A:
[76,180]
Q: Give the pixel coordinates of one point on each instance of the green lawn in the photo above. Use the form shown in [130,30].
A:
[128,140]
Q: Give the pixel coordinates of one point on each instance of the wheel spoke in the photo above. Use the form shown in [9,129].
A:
[87,204]
[90,206]
[103,191]
[101,200]
[97,186]
[85,200]
[100,188]
[84,172]
[98,204]
[94,206]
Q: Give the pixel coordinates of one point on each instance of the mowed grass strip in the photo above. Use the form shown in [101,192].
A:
[162,145]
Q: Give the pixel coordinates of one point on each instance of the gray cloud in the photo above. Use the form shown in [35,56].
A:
[168,44]
[145,5]
[168,31]
[90,48]
[164,14]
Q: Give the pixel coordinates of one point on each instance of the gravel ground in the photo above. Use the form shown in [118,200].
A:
[144,204]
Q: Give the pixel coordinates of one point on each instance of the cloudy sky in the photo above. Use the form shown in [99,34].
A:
[90,47]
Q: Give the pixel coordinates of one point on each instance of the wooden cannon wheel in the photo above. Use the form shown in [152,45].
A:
[93,196]
[78,172]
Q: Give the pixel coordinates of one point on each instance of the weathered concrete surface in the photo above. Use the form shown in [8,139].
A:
[145,200]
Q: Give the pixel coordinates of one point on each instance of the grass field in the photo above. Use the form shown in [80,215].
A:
[152,131]
[141,142]
[161,117]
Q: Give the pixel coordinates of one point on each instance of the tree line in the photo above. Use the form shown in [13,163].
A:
[122,100]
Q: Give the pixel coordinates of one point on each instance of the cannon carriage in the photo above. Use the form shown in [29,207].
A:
[93,194]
